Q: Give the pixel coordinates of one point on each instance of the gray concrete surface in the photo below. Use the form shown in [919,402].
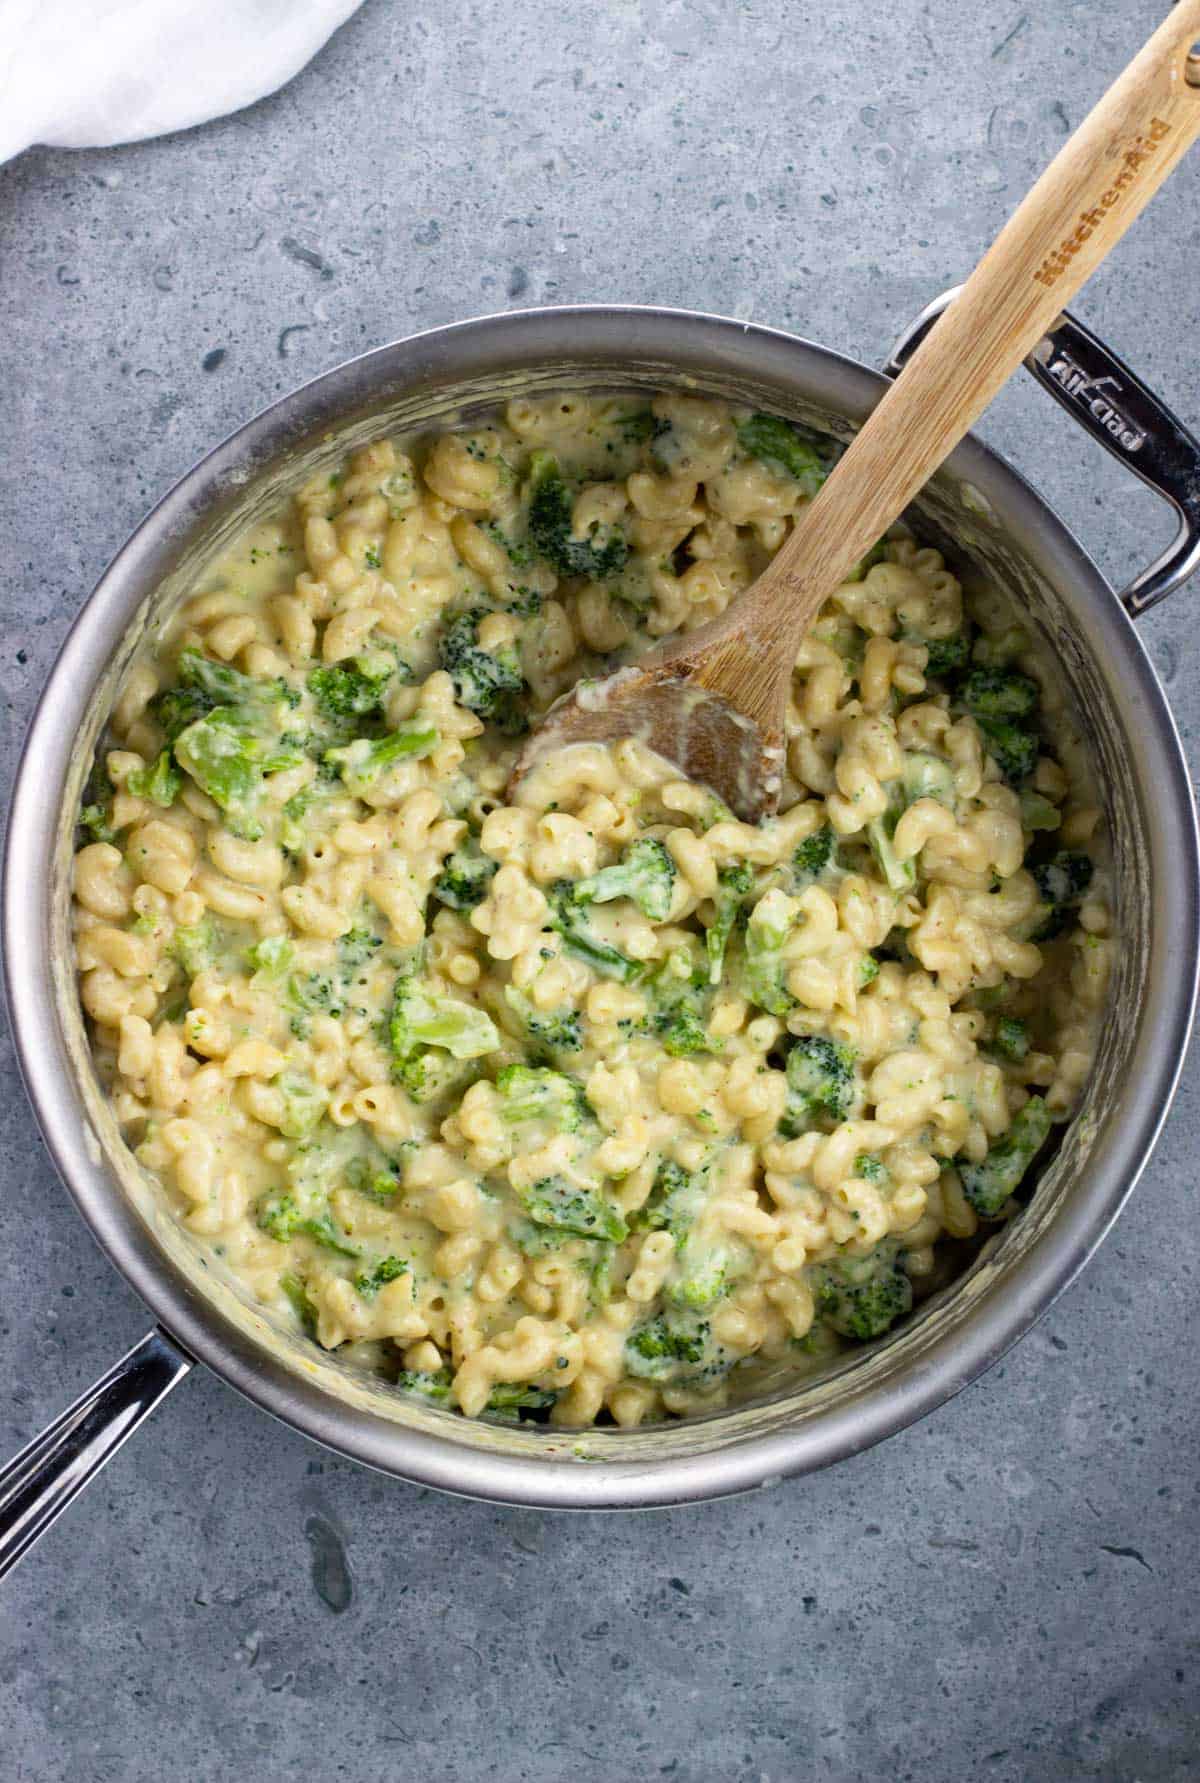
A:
[1007,1591]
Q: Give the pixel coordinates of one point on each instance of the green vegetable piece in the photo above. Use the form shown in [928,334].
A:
[348,691]
[822,1083]
[702,1278]
[434,1387]
[363,762]
[226,686]
[783,447]
[1014,751]
[1011,1039]
[655,1350]
[389,1269]
[771,922]
[947,657]
[734,885]
[534,1093]
[645,873]
[987,1186]
[546,1031]
[464,879]
[679,998]
[270,958]
[1062,883]
[862,1297]
[297,1295]
[584,1213]
[282,1218]
[508,1399]
[304,1105]
[870,1168]
[998,693]
[674,1201]
[177,707]
[159,781]
[814,857]
[569,918]
[898,875]
[420,1019]
[599,556]
[230,763]
[194,946]
[487,682]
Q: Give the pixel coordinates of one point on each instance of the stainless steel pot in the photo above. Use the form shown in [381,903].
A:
[981,510]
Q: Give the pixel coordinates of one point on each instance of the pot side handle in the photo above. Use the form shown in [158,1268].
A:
[1111,403]
[39,1483]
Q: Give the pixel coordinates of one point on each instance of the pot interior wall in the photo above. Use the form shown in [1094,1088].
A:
[958,515]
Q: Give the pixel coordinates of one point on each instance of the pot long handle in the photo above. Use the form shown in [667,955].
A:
[40,1482]
[1112,404]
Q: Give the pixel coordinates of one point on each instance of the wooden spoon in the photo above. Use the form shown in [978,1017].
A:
[715,700]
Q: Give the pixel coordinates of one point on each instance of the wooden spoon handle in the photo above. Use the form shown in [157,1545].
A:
[1075,214]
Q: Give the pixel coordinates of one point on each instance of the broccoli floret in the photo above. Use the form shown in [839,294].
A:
[814,857]
[1011,1039]
[987,1186]
[701,1277]
[645,873]
[464,879]
[583,1213]
[1061,884]
[534,1093]
[569,918]
[282,1218]
[655,1350]
[673,1201]
[159,781]
[868,970]
[177,707]
[600,555]
[869,1168]
[898,875]
[349,691]
[998,693]
[297,1296]
[734,884]
[309,994]
[435,1386]
[546,1030]
[97,793]
[1014,751]
[508,1399]
[230,762]
[369,1282]
[485,681]
[421,1022]
[862,1296]
[784,447]
[270,958]
[226,686]
[924,776]
[304,1104]
[362,762]
[947,657]
[821,1084]
[194,946]
[356,948]
[679,999]
[771,922]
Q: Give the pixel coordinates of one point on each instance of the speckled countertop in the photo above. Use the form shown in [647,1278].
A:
[1009,1590]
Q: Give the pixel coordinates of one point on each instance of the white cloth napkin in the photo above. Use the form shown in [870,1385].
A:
[87,73]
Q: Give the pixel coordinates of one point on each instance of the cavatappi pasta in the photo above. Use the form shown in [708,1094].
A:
[599,1103]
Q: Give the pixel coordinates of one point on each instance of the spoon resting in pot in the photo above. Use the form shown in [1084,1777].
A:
[715,700]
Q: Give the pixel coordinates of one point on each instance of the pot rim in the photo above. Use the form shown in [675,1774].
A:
[595,334]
